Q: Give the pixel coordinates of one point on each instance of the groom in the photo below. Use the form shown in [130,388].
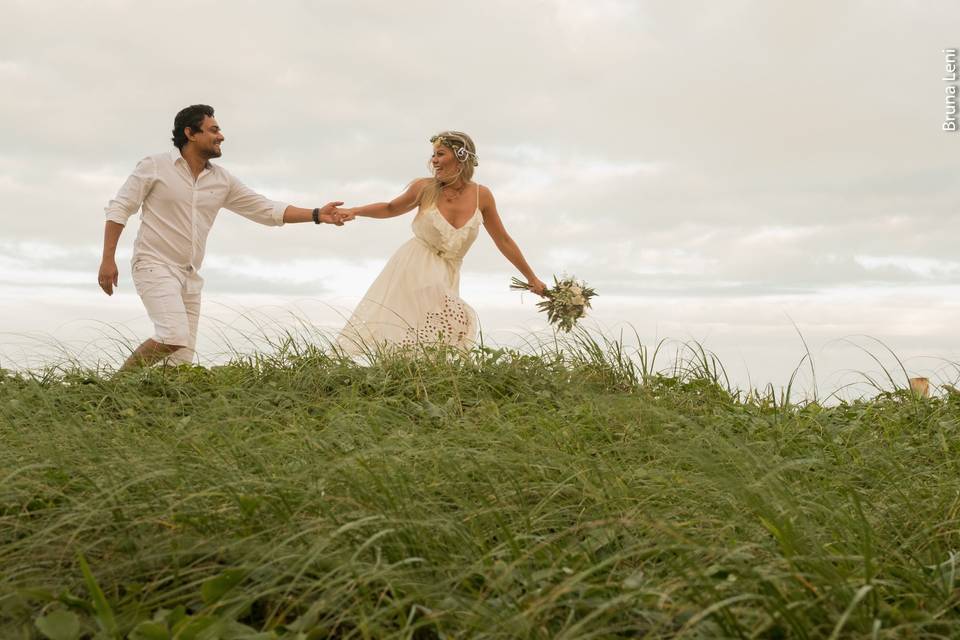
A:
[180,193]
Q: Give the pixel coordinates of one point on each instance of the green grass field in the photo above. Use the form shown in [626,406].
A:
[490,495]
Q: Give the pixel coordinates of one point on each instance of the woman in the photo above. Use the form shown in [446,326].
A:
[415,300]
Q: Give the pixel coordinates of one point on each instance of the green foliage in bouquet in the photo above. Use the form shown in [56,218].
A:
[565,302]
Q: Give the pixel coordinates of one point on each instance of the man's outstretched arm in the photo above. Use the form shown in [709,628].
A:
[248,203]
[109,274]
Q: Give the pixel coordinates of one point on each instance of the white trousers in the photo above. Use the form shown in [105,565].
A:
[175,313]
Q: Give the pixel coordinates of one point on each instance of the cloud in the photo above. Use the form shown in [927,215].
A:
[926,268]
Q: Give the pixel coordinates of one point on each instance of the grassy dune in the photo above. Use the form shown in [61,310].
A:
[492,495]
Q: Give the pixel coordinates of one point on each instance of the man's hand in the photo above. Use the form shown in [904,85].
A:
[108,276]
[330,214]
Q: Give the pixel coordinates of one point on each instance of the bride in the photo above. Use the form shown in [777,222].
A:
[415,300]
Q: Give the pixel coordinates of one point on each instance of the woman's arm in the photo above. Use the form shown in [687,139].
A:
[494,226]
[398,206]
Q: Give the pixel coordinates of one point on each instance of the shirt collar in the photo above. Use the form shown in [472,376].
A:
[176,156]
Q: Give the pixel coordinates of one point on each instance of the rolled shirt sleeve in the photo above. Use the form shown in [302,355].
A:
[246,202]
[133,192]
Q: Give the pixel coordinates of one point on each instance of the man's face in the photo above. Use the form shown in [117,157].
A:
[206,142]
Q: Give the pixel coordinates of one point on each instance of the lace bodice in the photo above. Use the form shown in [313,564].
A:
[442,238]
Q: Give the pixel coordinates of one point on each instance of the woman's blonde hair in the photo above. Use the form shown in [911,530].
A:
[466,154]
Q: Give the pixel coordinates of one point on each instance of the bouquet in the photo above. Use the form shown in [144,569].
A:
[565,302]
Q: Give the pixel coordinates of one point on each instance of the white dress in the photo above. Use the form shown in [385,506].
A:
[415,301]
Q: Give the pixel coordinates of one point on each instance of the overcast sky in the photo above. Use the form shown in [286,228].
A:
[717,170]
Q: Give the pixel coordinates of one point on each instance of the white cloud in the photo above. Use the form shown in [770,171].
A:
[927,268]
[11,69]
[788,235]
[99,179]
[10,185]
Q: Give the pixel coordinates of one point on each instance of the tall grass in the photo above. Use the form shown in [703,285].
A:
[574,490]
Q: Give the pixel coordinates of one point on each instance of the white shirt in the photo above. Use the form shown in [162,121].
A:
[178,212]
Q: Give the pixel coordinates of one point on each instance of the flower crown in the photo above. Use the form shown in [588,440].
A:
[458,147]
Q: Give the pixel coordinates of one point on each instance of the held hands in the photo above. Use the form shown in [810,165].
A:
[343,214]
[330,213]
[108,276]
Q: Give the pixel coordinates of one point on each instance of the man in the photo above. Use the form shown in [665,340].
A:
[180,193]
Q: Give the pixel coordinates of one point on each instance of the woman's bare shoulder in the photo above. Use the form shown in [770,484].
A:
[486,195]
[416,186]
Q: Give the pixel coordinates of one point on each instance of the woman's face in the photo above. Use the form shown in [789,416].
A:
[444,162]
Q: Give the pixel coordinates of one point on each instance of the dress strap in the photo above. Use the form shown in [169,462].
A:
[478,196]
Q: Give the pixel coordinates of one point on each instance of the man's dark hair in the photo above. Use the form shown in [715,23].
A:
[191,117]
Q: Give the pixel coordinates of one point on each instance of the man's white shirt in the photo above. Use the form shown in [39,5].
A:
[178,212]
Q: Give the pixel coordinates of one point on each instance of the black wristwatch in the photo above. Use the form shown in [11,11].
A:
[316,216]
